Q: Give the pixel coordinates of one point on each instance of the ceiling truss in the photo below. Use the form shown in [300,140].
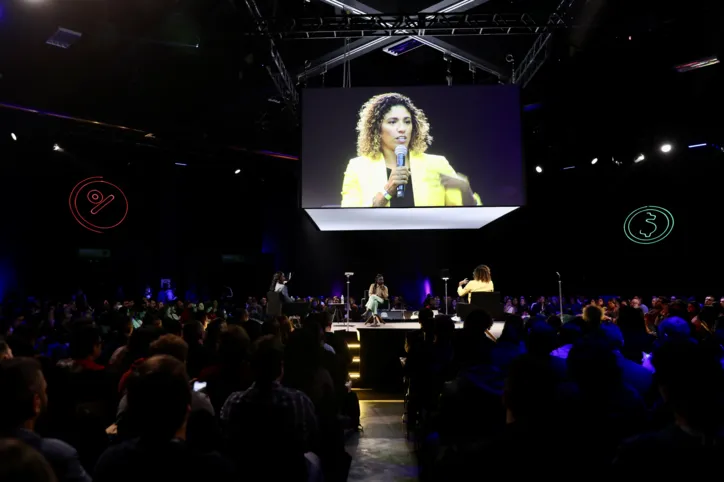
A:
[375,30]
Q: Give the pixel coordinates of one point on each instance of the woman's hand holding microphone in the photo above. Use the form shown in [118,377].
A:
[399,176]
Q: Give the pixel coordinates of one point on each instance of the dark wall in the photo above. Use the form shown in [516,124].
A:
[181,219]
[573,224]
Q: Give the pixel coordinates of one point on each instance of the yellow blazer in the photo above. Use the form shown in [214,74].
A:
[365,177]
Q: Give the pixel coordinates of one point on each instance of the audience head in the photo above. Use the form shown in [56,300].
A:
[85,341]
[679,308]
[690,381]
[170,345]
[513,330]
[173,327]
[234,346]
[612,334]
[152,319]
[592,315]
[530,390]
[592,364]
[286,327]
[5,352]
[24,393]
[631,320]
[193,332]
[426,318]
[555,322]
[267,360]
[271,327]
[542,339]
[674,327]
[21,463]
[477,323]
[159,398]
[570,333]
[444,329]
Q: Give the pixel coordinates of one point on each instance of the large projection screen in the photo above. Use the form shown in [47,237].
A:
[433,157]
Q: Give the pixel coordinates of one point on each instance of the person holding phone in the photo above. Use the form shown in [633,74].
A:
[482,282]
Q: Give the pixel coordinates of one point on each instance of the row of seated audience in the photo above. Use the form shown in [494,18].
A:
[187,397]
[587,398]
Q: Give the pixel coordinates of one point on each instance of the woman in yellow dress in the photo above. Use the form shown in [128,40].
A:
[482,281]
[387,121]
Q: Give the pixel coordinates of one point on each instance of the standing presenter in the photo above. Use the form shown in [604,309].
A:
[387,121]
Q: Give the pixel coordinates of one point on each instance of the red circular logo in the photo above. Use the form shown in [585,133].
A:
[98,205]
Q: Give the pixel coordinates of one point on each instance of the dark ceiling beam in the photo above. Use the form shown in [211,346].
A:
[366,45]
[540,51]
[280,75]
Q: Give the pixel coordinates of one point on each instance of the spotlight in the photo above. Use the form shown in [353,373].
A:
[666,148]
[594,161]
[538,169]
[640,158]
[237,171]
[57,148]
[12,134]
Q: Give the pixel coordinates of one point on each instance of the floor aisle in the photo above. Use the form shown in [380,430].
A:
[381,453]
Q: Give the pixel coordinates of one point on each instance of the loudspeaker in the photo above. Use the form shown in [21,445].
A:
[392,315]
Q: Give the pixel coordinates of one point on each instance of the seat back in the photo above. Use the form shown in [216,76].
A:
[274,303]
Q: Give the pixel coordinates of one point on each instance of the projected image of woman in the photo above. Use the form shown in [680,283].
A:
[387,121]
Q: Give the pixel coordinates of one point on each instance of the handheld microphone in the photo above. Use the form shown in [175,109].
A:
[401,153]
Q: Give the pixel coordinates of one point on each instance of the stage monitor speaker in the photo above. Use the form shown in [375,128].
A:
[394,315]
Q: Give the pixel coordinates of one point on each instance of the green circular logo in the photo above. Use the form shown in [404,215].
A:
[648,225]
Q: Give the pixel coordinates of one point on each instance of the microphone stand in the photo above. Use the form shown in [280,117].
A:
[560,294]
[445,280]
[347,304]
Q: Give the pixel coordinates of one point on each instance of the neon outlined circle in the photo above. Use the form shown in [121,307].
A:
[638,240]
[79,218]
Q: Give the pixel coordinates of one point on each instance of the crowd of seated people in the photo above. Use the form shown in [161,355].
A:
[604,390]
[184,391]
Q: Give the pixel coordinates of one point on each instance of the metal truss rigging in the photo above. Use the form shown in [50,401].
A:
[540,51]
[283,81]
[389,25]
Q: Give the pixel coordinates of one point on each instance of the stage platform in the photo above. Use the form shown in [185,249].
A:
[377,351]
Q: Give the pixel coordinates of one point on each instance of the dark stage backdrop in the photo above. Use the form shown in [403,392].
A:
[180,221]
[573,225]
[477,128]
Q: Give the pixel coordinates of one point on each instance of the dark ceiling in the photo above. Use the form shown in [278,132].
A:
[187,70]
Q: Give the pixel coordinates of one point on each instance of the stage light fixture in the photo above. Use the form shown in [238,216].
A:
[180,164]
[238,171]
[538,169]
[640,158]
[594,161]
[12,134]
[694,146]
[57,148]
[666,148]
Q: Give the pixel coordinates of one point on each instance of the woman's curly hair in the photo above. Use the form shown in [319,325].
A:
[370,124]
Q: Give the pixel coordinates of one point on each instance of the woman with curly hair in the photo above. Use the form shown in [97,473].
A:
[387,121]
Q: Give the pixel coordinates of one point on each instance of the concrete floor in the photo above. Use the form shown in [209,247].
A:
[381,453]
